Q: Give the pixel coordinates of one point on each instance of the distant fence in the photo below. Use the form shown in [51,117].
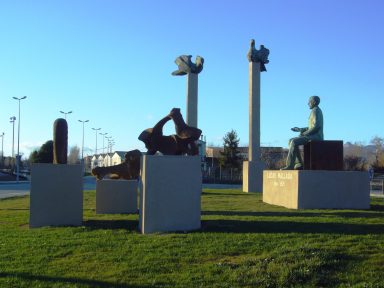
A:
[377,185]
[222,176]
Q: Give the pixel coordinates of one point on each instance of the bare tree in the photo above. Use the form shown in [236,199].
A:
[378,142]
[74,155]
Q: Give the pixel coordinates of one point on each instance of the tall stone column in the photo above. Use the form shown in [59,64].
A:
[253,168]
[192,70]
[192,96]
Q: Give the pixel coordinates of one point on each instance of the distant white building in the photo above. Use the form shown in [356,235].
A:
[118,157]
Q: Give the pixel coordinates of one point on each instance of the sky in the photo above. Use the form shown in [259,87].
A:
[110,62]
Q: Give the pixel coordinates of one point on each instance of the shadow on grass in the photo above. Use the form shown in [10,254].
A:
[14,209]
[223,194]
[303,213]
[131,225]
[238,226]
[63,280]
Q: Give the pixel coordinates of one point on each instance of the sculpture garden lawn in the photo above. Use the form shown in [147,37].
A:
[243,243]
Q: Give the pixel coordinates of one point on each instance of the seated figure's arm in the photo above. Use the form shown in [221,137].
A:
[297,129]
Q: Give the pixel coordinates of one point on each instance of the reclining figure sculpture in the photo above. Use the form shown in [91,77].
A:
[128,170]
[181,143]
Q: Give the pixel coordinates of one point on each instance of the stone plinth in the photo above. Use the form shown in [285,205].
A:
[116,196]
[324,155]
[316,189]
[170,192]
[253,176]
[56,197]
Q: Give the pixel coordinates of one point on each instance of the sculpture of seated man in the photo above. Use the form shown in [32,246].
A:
[314,131]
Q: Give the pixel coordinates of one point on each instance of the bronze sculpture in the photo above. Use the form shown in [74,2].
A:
[181,143]
[260,55]
[314,131]
[128,170]
[185,65]
[60,141]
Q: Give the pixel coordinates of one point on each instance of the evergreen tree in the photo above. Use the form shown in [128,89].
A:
[44,155]
[230,157]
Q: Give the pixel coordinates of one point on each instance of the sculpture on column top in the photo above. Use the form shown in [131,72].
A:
[258,56]
[186,66]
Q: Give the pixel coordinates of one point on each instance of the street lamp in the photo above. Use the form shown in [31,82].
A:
[103,134]
[2,149]
[65,114]
[96,129]
[18,142]
[12,120]
[82,145]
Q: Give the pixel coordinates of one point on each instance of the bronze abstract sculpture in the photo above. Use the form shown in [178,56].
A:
[260,55]
[183,142]
[60,141]
[185,65]
[128,170]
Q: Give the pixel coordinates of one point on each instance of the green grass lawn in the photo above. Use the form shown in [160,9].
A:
[243,243]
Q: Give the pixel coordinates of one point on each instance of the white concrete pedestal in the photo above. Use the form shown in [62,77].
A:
[253,176]
[116,196]
[170,192]
[56,197]
[317,189]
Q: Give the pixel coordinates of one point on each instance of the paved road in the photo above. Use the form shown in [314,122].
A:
[12,189]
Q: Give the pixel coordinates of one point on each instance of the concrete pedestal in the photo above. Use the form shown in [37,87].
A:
[56,197]
[253,176]
[116,196]
[170,191]
[317,189]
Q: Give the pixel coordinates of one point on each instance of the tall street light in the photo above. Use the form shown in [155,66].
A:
[12,120]
[18,142]
[65,114]
[82,145]
[103,134]
[96,129]
[2,149]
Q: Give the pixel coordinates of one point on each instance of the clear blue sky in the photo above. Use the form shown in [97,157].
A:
[110,62]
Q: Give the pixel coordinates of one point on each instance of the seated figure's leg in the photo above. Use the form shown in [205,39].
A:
[291,155]
[298,141]
[294,158]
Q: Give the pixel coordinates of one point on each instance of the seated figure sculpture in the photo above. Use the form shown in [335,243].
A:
[314,131]
[183,142]
[128,170]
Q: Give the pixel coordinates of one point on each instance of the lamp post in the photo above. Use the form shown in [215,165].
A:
[2,149]
[96,129]
[18,142]
[82,145]
[103,134]
[65,114]
[12,120]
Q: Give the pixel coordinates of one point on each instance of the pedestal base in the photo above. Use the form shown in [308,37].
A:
[317,189]
[253,176]
[116,196]
[170,192]
[56,195]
